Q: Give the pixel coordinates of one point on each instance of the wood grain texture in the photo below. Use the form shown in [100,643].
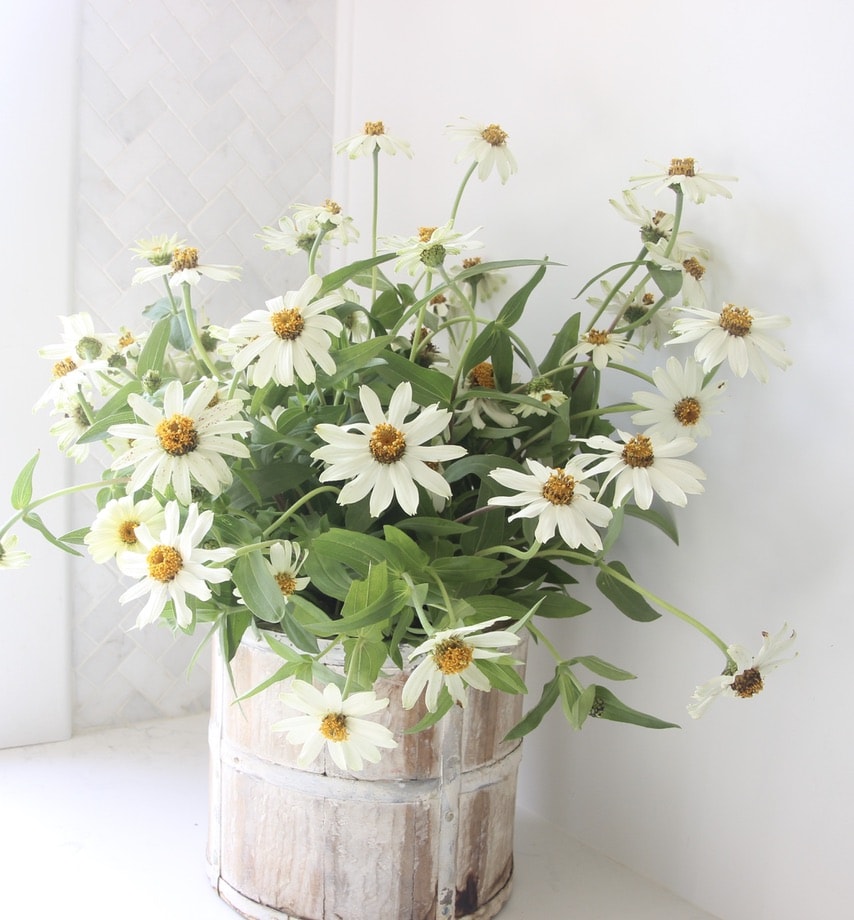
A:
[425,834]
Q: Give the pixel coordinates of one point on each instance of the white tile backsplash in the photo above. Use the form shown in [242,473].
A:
[206,118]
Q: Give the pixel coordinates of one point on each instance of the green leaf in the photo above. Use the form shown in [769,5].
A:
[533,718]
[258,588]
[512,311]
[626,600]
[502,360]
[614,529]
[415,559]
[364,658]
[388,308]
[433,527]
[77,537]
[22,490]
[602,668]
[617,711]
[663,520]
[667,280]
[38,524]
[431,718]
[101,428]
[557,605]
[502,676]
[235,624]
[151,356]
[341,276]
[355,358]
[461,570]
[566,338]
[428,386]
[482,347]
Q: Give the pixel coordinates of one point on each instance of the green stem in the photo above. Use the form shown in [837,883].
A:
[677,220]
[616,288]
[190,316]
[463,184]
[297,505]
[374,219]
[525,555]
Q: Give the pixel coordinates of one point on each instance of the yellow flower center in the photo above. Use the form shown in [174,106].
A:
[687,411]
[748,683]
[736,320]
[374,128]
[438,300]
[126,340]
[333,727]
[288,324]
[482,375]
[286,582]
[638,452]
[648,300]
[177,435]
[681,166]
[470,263]
[559,488]
[452,655]
[127,532]
[424,234]
[694,268]
[164,562]
[332,206]
[597,337]
[387,443]
[493,135]
[63,367]
[185,258]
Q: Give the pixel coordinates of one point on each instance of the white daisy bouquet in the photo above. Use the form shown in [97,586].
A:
[379,462]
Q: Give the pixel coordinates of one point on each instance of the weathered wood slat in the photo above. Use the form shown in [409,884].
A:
[425,834]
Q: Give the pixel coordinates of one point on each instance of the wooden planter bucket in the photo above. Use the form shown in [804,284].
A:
[426,833]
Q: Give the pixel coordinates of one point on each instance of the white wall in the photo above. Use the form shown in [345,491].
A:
[747,812]
[38,45]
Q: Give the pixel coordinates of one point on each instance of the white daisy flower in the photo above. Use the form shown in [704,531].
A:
[645,465]
[737,335]
[602,346]
[183,441]
[748,676]
[293,235]
[336,723]
[487,145]
[558,498]
[158,249]
[68,430]
[482,376]
[654,225]
[89,349]
[683,403]
[11,558]
[68,381]
[290,337]
[286,559]
[173,566]
[373,137]
[328,216]
[386,456]
[684,173]
[487,283]
[114,529]
[540,390]
[184,268]
[451,657]
[430,248]
[689,265]
[632,307]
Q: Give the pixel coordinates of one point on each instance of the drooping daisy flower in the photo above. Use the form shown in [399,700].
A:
[682,405]
[748,675]
[329,217]
[373,137]
[540,390]
[158,249]
[558,498]
[654,225]
[487,145]
[292,235]
[482,377]
[286,559]
[172,565]
[386,456]
[290,337]
[486,283]
[601,345]
[183,441]
[184,268]
[430,248]
[684,173]
[643,465]
[336,723]
[68,430]
[652,328]
[114,529]
[685,262]
[11,558]
[736,335]
[451,657]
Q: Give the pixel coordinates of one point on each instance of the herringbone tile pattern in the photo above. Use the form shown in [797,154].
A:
[205,118]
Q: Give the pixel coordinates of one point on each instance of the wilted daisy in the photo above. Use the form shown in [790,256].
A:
[114,529]
[185,268]
[185,441]
[387,456]
[290,337]
[749,671]
[736,335]
[451,657]
[645,465]
[684,173]
[482,377]
[336,723]
[291,235]
[430,248]
[373,137]
[558,498]
[487,145]
[11,558]
[172,565]
[547,398]
[683,403]
[601,345]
